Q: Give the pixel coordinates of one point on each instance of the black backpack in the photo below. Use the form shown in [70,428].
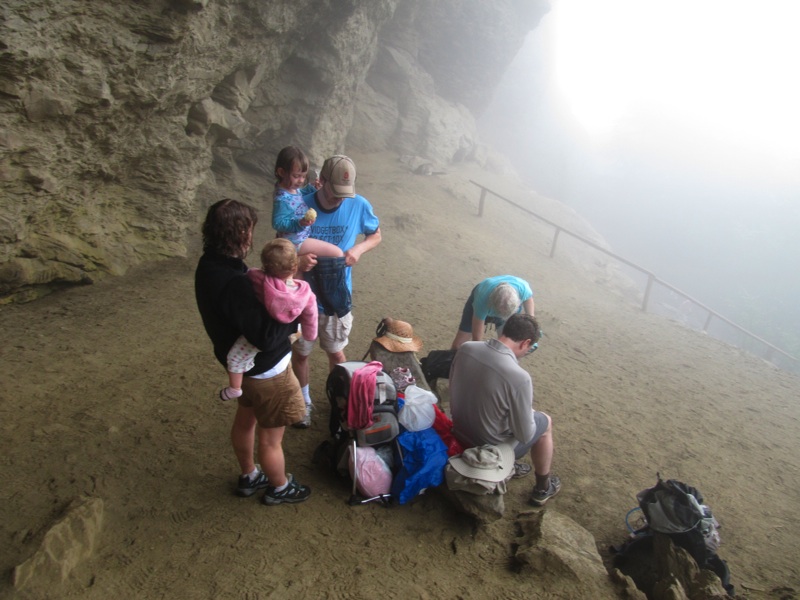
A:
[337,388]
[381,433]
[437,365]
[676,509]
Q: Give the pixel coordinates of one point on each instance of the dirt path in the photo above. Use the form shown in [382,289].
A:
[110,392]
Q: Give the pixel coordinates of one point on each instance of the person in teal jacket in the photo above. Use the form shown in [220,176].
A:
[493,300]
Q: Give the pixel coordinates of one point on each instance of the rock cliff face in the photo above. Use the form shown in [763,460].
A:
[119,121]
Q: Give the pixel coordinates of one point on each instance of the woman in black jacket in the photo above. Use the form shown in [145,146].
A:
[271,396]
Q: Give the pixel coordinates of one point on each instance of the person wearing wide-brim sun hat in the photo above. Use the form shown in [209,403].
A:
[397,336]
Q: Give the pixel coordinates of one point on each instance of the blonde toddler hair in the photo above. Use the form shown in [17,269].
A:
[279,258]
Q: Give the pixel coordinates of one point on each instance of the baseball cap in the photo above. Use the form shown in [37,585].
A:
[340,172]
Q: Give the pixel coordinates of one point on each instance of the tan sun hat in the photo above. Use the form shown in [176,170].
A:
[488,462]
[398,336]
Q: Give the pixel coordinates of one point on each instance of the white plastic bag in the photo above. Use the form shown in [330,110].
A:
[417,412]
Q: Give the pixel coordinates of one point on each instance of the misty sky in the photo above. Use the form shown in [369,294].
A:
[674,127]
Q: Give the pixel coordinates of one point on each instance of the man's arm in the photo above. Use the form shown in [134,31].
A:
[352,255]
[521,411]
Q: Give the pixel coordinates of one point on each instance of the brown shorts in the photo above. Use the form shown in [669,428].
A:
[276,402]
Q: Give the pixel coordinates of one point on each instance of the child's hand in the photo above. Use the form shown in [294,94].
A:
[309,218]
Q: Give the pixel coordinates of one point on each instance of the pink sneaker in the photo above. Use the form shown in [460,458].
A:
[229,393]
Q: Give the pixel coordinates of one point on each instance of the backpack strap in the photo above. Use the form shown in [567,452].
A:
[381,384]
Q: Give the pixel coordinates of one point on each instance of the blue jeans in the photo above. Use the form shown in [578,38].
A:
[328,281]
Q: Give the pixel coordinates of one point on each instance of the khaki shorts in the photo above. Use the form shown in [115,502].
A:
[542,422]
[333,335]
[276,402]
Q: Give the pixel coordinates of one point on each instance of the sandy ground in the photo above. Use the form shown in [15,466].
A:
[110,392]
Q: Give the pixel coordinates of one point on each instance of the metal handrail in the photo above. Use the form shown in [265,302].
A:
[651,278]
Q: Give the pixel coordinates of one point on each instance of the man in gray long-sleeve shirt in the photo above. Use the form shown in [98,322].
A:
[491,400]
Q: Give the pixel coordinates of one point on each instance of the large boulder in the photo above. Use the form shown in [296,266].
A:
[68,543]
[665,571]
[483,509]
[555,549]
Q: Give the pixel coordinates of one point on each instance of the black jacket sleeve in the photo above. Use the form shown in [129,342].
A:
[250,318]
[229,308]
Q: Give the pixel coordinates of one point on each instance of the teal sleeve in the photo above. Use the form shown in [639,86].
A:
[308,189]
[283,219]
[525,291]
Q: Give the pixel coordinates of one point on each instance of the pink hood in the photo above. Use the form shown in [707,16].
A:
[287,304]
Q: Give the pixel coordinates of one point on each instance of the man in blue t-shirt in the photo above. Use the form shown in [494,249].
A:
[342,215]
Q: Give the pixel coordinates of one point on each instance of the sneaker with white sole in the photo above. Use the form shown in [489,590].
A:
[305,422]
[292,493]
[539,497]
[521,470]
[247,487]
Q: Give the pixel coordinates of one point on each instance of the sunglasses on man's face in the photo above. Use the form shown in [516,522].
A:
[532,349]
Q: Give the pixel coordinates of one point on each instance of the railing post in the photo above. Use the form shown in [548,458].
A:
[555,240]
[708,321]
[480,204]
[647,289]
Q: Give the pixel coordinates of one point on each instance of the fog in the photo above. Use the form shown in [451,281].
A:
[674,128]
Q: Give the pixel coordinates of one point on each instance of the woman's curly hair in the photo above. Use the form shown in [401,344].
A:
[228,228]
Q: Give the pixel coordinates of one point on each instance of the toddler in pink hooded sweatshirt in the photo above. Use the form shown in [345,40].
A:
[284,297]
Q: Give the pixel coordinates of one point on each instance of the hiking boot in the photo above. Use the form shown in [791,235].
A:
[247,487]
[305,422]
[521,470]
[292,493]
[539,497]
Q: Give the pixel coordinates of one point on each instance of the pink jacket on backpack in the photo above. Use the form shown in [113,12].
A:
[361,398]
[287,304]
